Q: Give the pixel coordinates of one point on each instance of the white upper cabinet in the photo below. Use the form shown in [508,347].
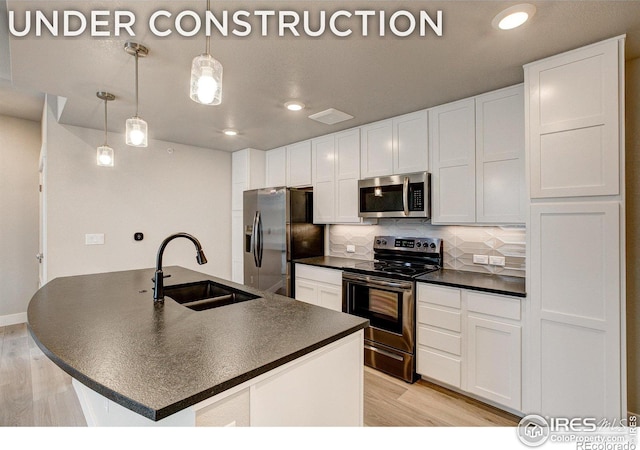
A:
[411,143]
[573,123]
[276,167]
[476,151]
[347,159]
[376,151]
[299,164]
[395,146]
[500,173]
[336,170]
[247,172]
[452,150]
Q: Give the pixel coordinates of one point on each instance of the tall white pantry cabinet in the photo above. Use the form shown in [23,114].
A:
[574,106]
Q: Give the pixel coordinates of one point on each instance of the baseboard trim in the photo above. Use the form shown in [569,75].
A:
[13,319]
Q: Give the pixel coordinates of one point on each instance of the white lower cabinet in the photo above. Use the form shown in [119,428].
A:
[471,341]
[319,286]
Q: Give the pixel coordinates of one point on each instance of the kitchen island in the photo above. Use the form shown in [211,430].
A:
[267,361]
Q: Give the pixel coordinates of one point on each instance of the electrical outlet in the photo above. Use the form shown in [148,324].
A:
[480,259]
[94,239]
[497,261]
[351,248]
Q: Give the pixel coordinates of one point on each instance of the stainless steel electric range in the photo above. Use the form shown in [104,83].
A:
[383,291]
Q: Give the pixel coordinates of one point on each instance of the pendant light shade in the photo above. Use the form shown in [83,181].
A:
[206,80]
[136,134]
[104,154]
[206,76]
[136,127]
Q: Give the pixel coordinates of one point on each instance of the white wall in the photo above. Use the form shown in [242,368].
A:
[149,190]
[19,153]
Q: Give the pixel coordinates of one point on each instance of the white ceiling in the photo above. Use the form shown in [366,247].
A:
[370,78]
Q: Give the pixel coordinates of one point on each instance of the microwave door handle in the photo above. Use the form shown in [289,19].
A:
[405,196]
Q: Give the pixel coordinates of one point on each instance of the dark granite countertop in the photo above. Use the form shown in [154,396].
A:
[105,331]
[330,262]
[496,284]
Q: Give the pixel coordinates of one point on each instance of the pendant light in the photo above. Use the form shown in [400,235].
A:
[104,154]
[136,131]
[206,76]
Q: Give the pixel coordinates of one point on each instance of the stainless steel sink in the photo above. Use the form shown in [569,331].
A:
[202,295]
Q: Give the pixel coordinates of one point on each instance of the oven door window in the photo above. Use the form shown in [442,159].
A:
[383,308]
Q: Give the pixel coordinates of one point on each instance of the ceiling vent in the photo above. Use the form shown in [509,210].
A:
[330,116]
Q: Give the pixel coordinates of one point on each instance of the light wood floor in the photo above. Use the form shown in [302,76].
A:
[36,392]
[33,390]
[392,402]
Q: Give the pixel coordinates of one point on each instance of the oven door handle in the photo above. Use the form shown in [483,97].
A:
[385,284]
[383,352]
[405,196]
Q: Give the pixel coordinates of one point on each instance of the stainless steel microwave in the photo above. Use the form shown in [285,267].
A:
[396,196]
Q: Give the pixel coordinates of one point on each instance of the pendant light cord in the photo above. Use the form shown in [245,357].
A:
[207,48]
[105,122]
[136,83]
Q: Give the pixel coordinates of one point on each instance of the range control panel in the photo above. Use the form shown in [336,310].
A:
[407,244]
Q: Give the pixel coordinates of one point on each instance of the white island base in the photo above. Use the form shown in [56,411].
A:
[322,388]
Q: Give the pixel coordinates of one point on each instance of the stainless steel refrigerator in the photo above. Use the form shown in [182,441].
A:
[278,228]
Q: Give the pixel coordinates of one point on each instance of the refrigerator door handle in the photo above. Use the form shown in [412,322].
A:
[254,235]
[260,240]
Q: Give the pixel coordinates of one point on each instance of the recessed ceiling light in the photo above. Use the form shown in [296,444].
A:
[230,132]
[513,17]
[294,105]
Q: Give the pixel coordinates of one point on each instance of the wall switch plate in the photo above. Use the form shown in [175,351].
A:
[94,239]
[481,259]
[351,248]
[497,261]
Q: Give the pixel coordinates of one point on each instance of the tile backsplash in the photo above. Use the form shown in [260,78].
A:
[460,243]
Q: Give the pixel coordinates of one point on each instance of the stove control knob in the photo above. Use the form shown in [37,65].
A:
[432,245]
[378,241]
[384,242]
[419,244]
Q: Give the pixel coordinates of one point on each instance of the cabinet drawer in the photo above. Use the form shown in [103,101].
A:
[440,318]
[439,295]
[439,367]
[439,340]
[494,305]
[329,276]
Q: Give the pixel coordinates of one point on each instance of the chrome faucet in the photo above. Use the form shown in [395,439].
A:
[158,279]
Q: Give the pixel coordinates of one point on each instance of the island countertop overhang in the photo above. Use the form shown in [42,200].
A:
[157,359]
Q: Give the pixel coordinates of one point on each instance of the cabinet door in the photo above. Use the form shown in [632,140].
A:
[411,143]
[237,240]
[347,154]
[299,164]
[324,202]
[307,291]
[575,297]
[494,368]
[276,167]
[376,149]
[574,122]
[452,151]
[500,172]
[330,297]
[323,167]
